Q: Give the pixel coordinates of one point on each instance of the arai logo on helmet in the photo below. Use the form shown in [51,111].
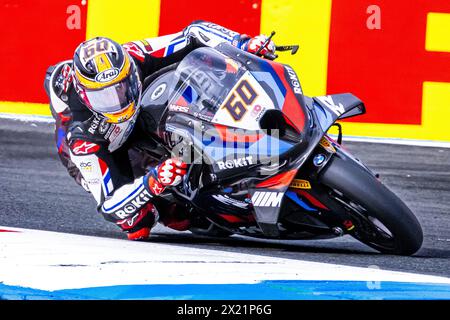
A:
[107,75]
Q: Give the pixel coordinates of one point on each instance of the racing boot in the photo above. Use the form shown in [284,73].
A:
[138,226]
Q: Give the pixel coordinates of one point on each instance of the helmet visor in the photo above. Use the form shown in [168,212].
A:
[123,115]
[116,97]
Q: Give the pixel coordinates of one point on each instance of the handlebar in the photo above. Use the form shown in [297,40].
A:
[270,55]
[273,56]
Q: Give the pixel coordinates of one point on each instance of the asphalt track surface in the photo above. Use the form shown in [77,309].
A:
[37,193]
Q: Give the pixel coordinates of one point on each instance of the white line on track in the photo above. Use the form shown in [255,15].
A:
[52,261]
[406,142]
[27,118]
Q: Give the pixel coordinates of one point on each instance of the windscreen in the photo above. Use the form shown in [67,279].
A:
[218,89]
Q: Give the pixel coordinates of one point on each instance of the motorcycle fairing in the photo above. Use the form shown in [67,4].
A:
[204,81]
[337,106]
[278,80]
[267,198]
[250,116]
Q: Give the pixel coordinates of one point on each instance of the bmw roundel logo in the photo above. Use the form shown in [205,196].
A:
[319,159]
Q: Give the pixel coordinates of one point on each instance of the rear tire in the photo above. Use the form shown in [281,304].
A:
[367,197]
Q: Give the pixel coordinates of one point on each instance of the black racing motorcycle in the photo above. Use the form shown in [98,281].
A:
[261,162]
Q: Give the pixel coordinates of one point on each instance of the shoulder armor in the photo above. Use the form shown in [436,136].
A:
[57,83]
[134,50]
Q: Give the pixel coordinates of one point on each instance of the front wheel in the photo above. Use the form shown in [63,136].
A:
[381,219]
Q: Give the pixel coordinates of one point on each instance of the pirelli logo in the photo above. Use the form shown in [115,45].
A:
[300,184]
[267,199]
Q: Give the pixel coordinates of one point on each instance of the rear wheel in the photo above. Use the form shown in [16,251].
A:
[381,220]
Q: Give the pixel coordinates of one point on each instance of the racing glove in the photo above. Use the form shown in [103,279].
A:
[252,45]
[168,174]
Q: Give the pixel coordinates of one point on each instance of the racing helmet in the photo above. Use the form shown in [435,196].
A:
[107,79]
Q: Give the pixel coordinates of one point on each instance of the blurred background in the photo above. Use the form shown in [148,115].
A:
[394,55]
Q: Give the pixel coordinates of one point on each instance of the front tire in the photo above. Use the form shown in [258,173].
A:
[381,219]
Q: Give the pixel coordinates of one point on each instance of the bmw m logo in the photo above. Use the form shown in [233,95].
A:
[267,199]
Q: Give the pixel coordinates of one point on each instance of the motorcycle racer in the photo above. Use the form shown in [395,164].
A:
[95,100]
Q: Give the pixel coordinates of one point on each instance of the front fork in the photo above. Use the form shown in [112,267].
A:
[315,195]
